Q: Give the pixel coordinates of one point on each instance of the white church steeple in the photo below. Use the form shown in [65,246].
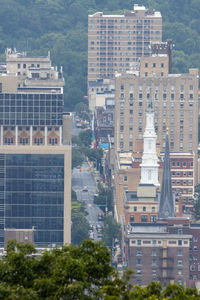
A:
[149,165]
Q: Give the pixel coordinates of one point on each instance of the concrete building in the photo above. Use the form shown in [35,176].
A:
[99,92]
[174,99]
[116,41]
[35,153]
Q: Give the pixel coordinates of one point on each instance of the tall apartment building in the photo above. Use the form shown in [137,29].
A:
[35,151]
[116,41]
[175,102]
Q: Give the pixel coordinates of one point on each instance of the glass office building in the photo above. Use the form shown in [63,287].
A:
[32,195]
[31,109]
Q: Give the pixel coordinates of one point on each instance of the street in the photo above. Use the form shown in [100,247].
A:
[83,179]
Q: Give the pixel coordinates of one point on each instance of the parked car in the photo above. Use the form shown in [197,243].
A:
[85,189]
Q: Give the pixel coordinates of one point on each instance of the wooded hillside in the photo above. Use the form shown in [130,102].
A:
[60,26]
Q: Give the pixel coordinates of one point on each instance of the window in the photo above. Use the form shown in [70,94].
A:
[131,218]
[19,66]
[179,242]
[195,238]
[180,231]
[138,261]
[179,252]
[139,242]
[195,248]
[153,209]
[135,208]
[23,141]
[192,267]
[153,272]
[154,242]
[143,218]
[180,262]
[179,272]
[154,65]
[153,252]
[139,272]
[8,141]
[195,257]
[139,252]
[144,208]
[125,178]
[154,262]
[38,141]
[53,141]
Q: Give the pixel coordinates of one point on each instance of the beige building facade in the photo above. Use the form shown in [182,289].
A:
[116,41]
[175,102]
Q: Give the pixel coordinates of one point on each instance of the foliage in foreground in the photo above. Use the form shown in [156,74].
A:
[74,272]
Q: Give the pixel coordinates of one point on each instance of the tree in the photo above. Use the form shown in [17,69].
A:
[74,272]
[86,137]
[104,199]
[77,158]
[197,202]
[111,230]
[80,226]
[95,155]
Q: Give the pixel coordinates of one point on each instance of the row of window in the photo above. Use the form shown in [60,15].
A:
[144,218]
[109,20]
[31,65]
[155,261]
[155,252]
[156,88]
[155,242]
[164,96]
[29,97]
[181,164]
[154,273]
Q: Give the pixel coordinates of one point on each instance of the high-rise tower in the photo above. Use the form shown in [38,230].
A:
[116,41]
[35,151]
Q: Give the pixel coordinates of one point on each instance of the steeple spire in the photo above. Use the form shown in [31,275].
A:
[166,205]
[149,165]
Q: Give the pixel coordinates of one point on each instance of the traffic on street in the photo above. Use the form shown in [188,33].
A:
[84,185]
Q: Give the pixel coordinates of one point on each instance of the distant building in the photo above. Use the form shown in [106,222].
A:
[116,41]
[35,151]
[104,123]
[99,91]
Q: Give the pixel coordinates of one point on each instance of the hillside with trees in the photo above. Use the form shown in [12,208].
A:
[37,26]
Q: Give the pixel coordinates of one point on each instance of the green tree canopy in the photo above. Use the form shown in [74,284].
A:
[86,137]
[111,231]
[74,272]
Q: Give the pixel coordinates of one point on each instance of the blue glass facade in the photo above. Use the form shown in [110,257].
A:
[32,194]
[31,109]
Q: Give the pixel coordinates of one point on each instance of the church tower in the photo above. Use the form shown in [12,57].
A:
[149,165]
[167,198]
